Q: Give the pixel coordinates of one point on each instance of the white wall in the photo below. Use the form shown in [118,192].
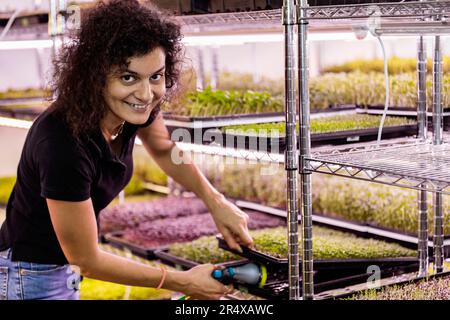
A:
[10,5]
[11,144]
[19,68]
[267,59]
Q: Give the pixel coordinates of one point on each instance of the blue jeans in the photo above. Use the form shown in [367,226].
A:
[29,281]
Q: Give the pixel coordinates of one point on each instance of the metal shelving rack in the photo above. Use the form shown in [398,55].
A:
[419,165]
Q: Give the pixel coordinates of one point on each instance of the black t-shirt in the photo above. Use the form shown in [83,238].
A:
[54,165]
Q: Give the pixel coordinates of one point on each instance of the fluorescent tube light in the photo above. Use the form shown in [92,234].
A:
[15,123]
[239,39]
[25,44]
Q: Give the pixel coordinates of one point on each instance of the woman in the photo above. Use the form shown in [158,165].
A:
[110,82]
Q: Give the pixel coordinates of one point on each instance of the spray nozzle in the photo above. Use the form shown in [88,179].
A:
[250,273]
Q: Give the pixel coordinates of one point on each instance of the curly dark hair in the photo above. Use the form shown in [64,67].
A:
[110,34]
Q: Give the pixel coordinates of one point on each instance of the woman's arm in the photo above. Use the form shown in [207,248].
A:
[230,220]
[76,229]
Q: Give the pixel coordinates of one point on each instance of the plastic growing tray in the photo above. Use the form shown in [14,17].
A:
[323,281]
[116,240]
[250,117]
[277,285]
[407,112]
[278,144]
[363,230]
[397,281]
[335,265]
[180,263]
[201,130]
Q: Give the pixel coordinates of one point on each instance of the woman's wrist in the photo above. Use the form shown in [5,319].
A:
[214,200]
[176,281]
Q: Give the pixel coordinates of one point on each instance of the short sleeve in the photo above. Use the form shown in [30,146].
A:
[152,117]
[65,170]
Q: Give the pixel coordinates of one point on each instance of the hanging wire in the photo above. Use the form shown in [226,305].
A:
[9,24]
[386,79]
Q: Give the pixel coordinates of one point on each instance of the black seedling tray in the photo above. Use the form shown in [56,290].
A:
[179,263]
[21,113]
[273,287]
[394,109]
[363,230]
[407,112]
[185,264]
[335,265]
[115,239]
[231,117]
[277,285]
[15,101]
[367,230]
[184,125]
[251,116]
[278,144]
[351,293]
[206,125]
[313,3]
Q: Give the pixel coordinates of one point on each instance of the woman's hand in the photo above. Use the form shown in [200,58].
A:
[199,284]
[231,222]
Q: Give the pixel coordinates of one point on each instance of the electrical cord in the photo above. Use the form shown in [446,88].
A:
[9,24]
[386,79]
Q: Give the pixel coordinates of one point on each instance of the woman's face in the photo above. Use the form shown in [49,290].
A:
[132,93]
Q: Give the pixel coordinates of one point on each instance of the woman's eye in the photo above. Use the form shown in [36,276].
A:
[156,77]
[128,78]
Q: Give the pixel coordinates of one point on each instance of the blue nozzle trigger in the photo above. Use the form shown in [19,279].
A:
[217,274]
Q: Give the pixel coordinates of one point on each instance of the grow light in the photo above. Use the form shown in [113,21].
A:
[230,152]
[25,44]
[204,40]
[15,123]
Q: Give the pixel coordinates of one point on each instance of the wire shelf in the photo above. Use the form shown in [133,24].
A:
[414,165]
[322,18]
[216,150]
[232,21]
[382,10]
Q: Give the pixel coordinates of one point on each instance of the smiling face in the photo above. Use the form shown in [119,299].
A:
[133,92]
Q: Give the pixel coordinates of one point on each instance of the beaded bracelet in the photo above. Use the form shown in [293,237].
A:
[164,271]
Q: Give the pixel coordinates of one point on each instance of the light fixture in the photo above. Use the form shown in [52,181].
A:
[25,44]
[15,123]
[239,39]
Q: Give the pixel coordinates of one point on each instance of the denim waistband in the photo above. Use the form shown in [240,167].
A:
[6,254]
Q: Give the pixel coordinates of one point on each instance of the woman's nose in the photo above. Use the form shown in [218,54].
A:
[144,93]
